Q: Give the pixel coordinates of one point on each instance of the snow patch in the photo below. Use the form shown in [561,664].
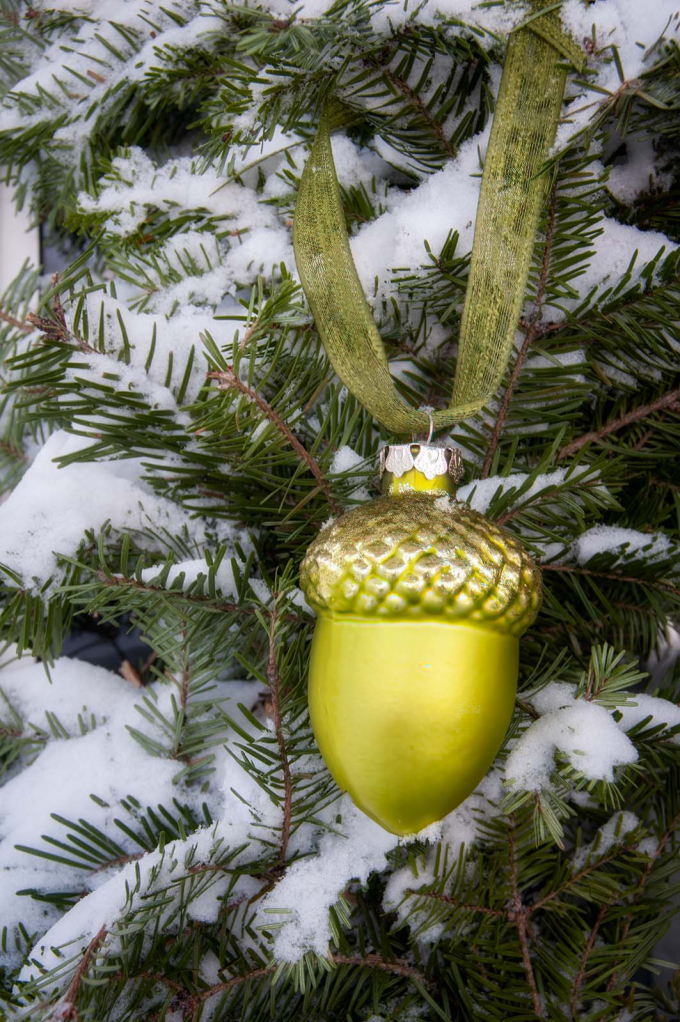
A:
[582,731]
[624,542]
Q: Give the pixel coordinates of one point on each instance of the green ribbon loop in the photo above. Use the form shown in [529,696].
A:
[512,192]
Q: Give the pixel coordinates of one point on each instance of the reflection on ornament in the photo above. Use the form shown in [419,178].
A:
[414,661]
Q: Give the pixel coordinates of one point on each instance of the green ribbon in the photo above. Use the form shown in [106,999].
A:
[512,192]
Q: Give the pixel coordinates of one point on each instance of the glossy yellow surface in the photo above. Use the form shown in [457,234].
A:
[409,715]
[415,481]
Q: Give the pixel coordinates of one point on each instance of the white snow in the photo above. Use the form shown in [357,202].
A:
[69,690]
[445,201]
[638,173]
[345,460]
[302,898]
[642,706]
[582,731]
[624,542]
[136,182]
[630,26]
[225,583]
[613,832]
[480,492]
[614,249]
[109,763]
[51,507]
[593,741]
[472,12]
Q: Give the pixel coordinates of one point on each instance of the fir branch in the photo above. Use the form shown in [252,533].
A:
[121,860]
[234,981]
[66,1009]
[574,569]
[274,679]
[640,888]
[369,961]
[590,943]
[531,334]
[375,961]
[569,884]
[11,451]
[223,606]
[668,400]
[420,106]
[227,379]
[518,915]
[17,323]
[455,902]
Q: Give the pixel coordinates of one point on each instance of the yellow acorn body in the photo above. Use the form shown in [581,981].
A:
[420,603]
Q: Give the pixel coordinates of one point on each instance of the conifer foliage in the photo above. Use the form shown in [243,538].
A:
[172,437]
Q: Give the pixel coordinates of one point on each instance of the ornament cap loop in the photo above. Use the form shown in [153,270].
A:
[420,466]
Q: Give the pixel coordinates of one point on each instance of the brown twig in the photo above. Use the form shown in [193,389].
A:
[12,451]
[216,605]
[18,323]
[518,915]
[580,976]
[274,679]
[531,502]
[532,333]
[371,961]
[455,902]
[57,329]
[666,485]
[67,1006]
[668,400]
[235,981]
[665,587]
[418,104]
[568,884]
[227,380]
[120,861]
[183,684]
[640,890]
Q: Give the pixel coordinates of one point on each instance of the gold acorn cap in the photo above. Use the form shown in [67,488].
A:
[418,553]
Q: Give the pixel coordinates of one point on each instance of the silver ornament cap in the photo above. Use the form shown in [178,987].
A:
[420,466]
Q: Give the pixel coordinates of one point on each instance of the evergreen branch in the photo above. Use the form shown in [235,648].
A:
[639,891]
[531,334]
[580,976]
[17,323]
[11,451]
[223,606]
[667,400]
[274,679]
[568,884]
[121,860]
[374,961]
[183,701]
[67,1007]
[573,569]
[455,902]
[370,961]
[518,915]
[418,104]
[235,981]
[227,379]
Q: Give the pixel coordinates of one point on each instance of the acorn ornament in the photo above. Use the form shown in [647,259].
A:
[421,602]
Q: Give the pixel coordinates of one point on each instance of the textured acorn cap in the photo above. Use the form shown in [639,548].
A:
[420,555]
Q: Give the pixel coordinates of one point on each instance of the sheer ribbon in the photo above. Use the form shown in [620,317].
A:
[512,192]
